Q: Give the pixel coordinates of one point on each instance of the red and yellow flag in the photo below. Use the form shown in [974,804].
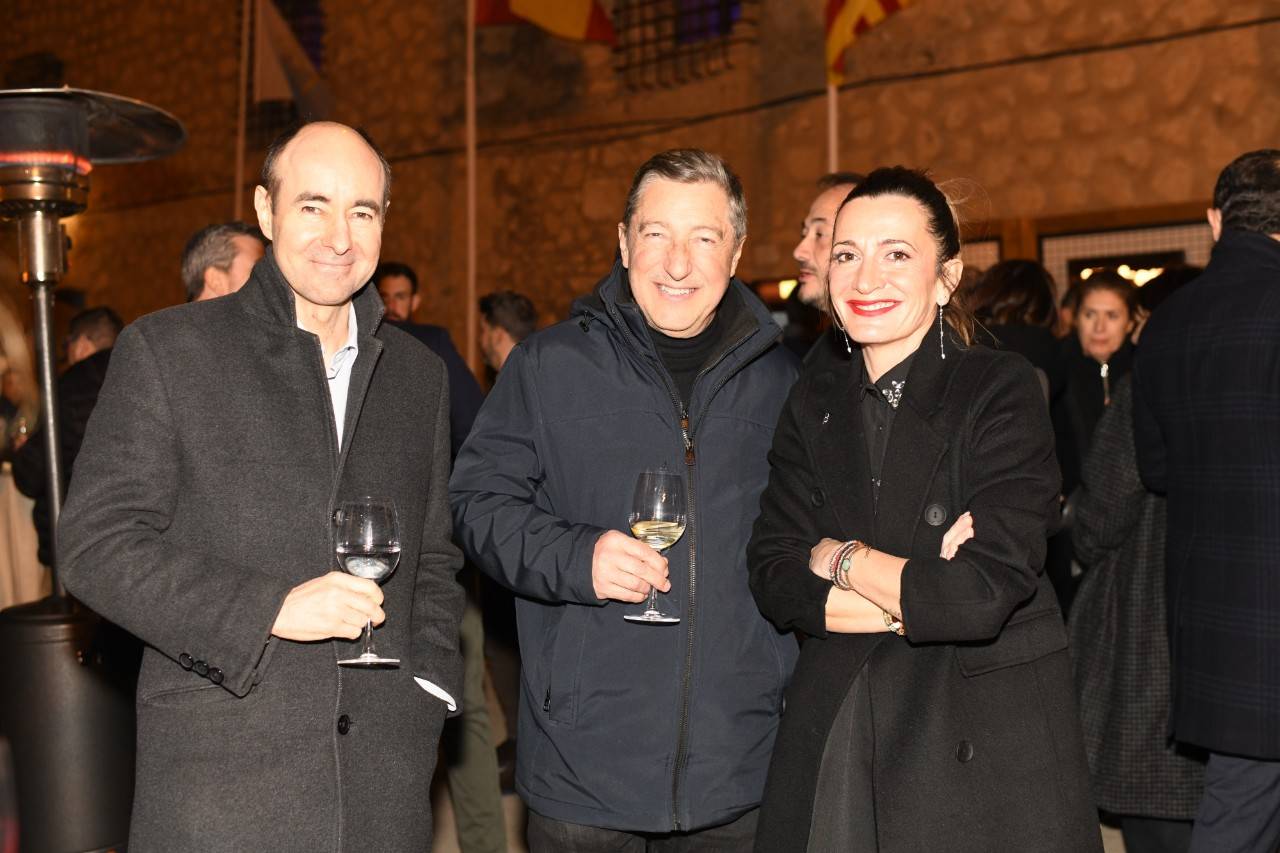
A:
[578,20]
[848,19]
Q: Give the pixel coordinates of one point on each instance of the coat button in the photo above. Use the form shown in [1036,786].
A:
[817,498]
[201,668]
[215,675]
[344,724]
[935,515]
[964,751]
[185,661]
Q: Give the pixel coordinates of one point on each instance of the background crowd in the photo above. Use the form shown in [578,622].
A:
[1105,555]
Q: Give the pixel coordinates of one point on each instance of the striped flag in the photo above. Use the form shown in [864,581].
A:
[848,19]
[577,20]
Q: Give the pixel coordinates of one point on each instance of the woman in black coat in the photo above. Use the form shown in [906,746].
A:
[932,707]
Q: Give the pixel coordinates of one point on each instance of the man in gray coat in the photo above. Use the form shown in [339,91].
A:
[200,519]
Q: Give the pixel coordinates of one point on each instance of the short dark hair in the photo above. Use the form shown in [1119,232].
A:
[511,311]
[1108,279]
[1014,292]
[941,220]
[389,268]
[1248,192]
[831,180]
[100,325]
[690,166]
[269,179]
[212,246]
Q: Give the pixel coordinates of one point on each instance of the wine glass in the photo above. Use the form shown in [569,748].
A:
[657,519]
[368,546]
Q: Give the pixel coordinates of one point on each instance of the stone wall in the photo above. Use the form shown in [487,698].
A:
[1048,107]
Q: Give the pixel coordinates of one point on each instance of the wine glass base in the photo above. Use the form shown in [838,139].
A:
[372,661]
[651,617]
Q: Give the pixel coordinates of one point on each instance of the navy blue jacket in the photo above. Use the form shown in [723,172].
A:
[626,726]
[465,395]
[1207,431]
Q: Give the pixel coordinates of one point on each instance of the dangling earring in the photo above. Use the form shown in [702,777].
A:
[941,344]
[847,345]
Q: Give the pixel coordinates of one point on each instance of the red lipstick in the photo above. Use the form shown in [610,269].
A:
[864,309]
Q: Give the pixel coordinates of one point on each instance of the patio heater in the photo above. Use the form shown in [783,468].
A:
[66,703]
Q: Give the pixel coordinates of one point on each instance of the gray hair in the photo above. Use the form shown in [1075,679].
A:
[690,166]
[212,246]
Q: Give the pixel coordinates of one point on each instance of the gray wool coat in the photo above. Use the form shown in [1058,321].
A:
[204,492]
[1119,633]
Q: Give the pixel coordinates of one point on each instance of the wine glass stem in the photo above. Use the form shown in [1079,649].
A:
[653,598]
[368,638]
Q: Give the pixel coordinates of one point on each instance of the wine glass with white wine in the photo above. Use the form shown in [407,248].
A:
[657,519]
[368,546]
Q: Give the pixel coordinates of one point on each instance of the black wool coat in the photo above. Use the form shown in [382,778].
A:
[977,743]
[1207,430]
[204,492]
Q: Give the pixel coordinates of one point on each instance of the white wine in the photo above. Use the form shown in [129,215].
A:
[658,535]
[374,565]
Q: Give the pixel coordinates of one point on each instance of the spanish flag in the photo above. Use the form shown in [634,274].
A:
[848,19]
[577,20]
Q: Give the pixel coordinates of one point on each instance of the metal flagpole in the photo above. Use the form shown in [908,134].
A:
[245,11]
[833,127]
[472,306]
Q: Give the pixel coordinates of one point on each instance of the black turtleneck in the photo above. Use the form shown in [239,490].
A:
[684,358]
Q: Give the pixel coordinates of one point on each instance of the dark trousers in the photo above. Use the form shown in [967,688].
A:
[556,836]
[1240,809]
[1154,835]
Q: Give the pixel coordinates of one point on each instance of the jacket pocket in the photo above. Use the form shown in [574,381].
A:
[564,665]
[1023,641]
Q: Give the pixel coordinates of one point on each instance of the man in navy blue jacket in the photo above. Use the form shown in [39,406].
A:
[630,732]
[1207,424]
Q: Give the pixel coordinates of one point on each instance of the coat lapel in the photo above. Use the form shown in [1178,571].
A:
[914,451]
[840,449]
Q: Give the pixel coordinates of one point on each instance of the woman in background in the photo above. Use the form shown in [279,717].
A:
[1119,639]
[1014,303]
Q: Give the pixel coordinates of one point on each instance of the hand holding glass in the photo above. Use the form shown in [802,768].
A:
[368,546]
[657,519]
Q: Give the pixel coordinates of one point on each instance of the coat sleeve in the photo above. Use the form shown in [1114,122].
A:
[1111,497]
[1011,483]
[787,593]
[500,512]
[1148,437]
[437,596]
[113,550]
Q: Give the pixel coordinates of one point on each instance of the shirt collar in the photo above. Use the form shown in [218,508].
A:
[349,349]
[889,386]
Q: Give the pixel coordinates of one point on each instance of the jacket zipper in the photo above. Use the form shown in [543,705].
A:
[691,618]
[686,684]
[691,528]
[1105,373]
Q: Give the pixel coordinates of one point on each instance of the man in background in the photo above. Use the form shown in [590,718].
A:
[506,319]
[1207,426]
[470,759]
[397,284]
[92,334]
[219,258]
[813,252]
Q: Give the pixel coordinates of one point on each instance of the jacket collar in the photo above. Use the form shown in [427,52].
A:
[268,295]
[1237,249]
[611,303]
